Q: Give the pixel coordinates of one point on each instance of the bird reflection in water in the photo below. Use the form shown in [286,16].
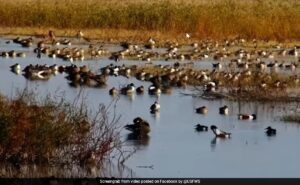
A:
[216,141]
[138,139]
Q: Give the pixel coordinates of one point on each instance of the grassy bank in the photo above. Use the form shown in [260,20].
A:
[51,131]
[216,19]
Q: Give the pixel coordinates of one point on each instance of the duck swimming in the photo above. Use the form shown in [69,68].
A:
[247,116]
[154,107]
[202,110]
[224,110]
[201,128]
[139,126]
[220,133]
[270,131]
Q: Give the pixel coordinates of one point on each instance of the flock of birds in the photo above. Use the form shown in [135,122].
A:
[140,127]
[245,69]
[163,77]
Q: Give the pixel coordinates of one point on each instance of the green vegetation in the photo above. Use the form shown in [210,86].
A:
[51,131]
[268,19]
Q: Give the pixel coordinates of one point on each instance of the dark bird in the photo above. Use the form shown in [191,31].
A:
[201,128]
[224,110]
[270,131]
[155,107]
[140,89]
[127,90]
[113,91]
[139,126]
[202,110]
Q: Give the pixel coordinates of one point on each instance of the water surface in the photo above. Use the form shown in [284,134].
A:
[173,148]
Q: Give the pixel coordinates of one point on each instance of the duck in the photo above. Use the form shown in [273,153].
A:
[16,68]
[217,65]
[113,91]
[210,87]
[140,89]
[293,52]
[202,110]
[4,54]
[270,131]
[139,126]
[26,42]
[201,128]
[247,116]
[66,42]
[137,120]
[154,90]
[37,74]
[224,110]
[21,54]
[129,89]
[12,54]
[155,107]
[220,133]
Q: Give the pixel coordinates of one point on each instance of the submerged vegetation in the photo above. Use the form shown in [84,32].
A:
[270,19]
[51,131]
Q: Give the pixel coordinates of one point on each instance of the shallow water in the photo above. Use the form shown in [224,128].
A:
[173,148]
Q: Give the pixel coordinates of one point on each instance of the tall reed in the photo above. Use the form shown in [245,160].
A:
[269,19]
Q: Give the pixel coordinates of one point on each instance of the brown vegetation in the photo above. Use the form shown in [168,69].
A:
[48,131]
[270,19]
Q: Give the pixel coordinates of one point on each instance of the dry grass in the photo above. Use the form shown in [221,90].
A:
[53,131]
[291,118]
[215,19]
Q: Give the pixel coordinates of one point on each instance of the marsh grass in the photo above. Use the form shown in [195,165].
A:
[215,19]
[52,131]
[291,118]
